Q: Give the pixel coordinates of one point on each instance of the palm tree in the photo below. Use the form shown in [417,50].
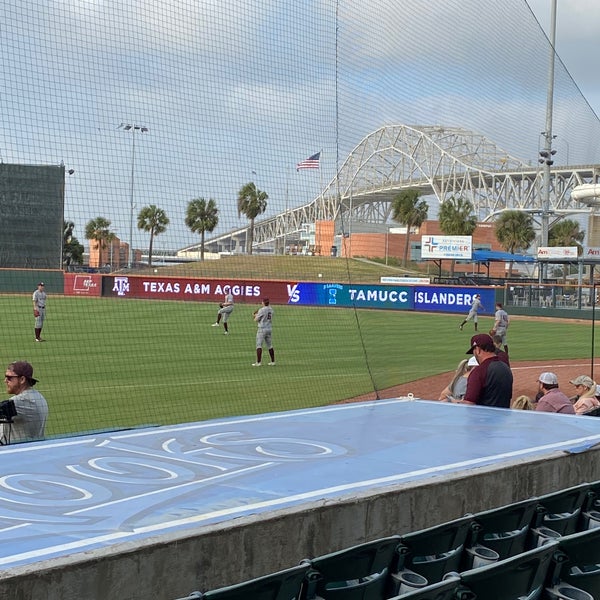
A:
[456,217]
[251,203]
[566,233]
[515,232]
[409,210]
[72,249]
[202,216]
[153,220]
[98,230]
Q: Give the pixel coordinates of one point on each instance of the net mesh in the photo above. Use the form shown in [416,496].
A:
[161,103]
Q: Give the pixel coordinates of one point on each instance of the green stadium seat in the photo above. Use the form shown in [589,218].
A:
[590,513]
[435,551]
[442,590]
[576,562]
[503,530]
[358,573]
[561,511]
[520,577]
[282,585]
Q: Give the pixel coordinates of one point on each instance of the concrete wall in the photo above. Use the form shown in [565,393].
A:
[171,566]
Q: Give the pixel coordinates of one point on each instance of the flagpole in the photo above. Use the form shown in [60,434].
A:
[285,218]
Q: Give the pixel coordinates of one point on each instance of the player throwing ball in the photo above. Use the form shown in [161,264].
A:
[225,309]
[264,319]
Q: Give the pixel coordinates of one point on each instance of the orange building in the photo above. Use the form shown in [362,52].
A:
[391,243]
[115,254]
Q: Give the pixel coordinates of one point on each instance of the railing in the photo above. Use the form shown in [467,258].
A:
[562,296]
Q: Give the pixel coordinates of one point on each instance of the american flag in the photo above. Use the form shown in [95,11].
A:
[312,162]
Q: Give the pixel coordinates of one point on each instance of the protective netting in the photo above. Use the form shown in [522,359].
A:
[160,103]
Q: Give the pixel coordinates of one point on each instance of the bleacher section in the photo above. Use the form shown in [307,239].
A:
[543,548]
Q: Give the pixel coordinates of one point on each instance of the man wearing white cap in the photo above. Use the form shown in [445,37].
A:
[553,400]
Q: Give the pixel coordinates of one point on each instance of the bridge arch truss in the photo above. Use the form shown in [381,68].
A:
[438,161]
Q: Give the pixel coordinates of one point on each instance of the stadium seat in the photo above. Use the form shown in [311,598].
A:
[519,577]
[561,511]
[357,573]
[576,562]
[443,590]
[282,585]
[590,513]
[435,551]
[503,530]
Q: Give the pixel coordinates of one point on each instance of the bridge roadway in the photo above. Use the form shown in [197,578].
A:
[73,509]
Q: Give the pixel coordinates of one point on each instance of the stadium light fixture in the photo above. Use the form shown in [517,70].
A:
[142,129]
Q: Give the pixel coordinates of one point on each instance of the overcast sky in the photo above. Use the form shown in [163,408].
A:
[577,41]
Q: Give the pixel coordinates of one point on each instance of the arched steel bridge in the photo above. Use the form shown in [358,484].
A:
[439,161]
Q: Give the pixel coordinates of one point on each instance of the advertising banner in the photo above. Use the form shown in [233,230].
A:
[344,295]
[199,290]
[562,252]
[456,247]
[453,299]
[82,284]
[591,253]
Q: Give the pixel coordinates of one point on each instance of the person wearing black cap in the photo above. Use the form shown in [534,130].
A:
[490,384]
[27,421]
[39,309]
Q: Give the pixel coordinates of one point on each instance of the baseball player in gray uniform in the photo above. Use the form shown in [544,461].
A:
[264,319]
[225,309]
[475,306]
[39,309]
[501,323]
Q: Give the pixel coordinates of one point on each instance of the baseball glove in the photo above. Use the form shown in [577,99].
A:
[220,305]
[492,332]
[36,313]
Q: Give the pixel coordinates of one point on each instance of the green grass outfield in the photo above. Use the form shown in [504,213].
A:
[120,363]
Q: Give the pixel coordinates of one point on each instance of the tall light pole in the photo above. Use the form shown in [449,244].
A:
[547,153]
[142,129]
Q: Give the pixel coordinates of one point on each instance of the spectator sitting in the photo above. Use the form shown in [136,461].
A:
[456,389]
[30,407]
[552,400]
[585,399]
[522,403]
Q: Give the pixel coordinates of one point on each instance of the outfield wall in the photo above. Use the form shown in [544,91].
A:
[171,566]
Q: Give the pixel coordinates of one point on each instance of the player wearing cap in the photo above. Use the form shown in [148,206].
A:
[31,408]
[501,322]
[552,399]
[475,307]
[264,319]
[39,309]
[225,310]
[490,384]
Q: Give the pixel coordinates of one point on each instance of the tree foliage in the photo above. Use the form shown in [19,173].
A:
[98,231]
[409,210]
[515,232]
[202,216]
[456,217]
[565,233]
[153,220]
[72,250]
[251,203]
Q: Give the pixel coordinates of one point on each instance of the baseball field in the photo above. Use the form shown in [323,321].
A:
[110,363]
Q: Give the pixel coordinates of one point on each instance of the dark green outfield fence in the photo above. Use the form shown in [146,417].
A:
[25,280]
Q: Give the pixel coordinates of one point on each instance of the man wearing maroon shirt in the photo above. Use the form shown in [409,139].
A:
[489,384]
